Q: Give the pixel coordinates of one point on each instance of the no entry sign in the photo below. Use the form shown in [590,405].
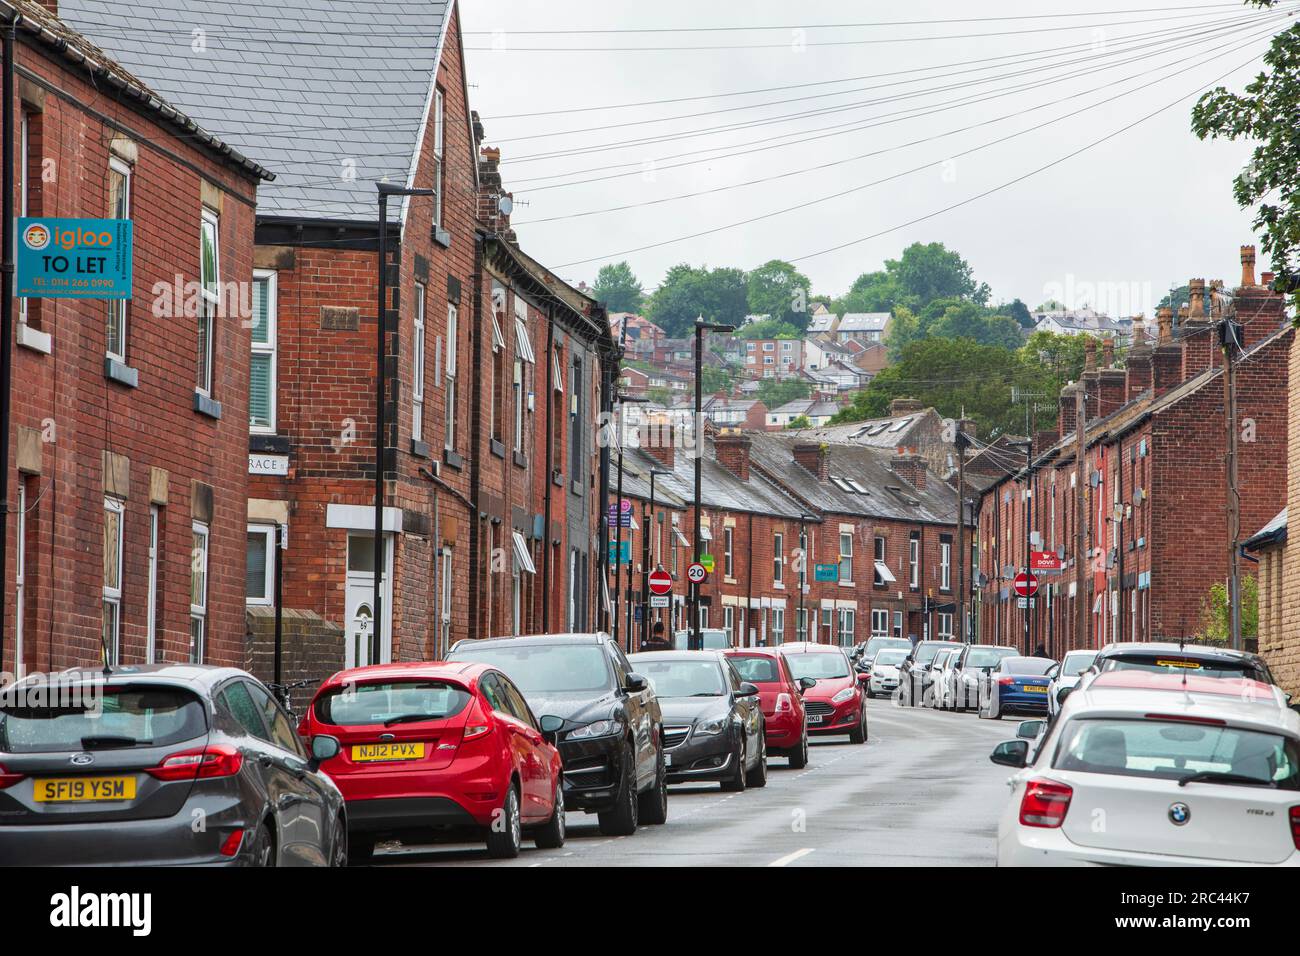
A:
[661,582]
[1026,584]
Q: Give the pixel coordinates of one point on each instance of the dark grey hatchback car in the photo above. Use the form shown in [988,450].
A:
[174,764]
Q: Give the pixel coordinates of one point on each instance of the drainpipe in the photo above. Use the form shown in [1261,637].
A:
[549,471]
[6,313]
[477,455]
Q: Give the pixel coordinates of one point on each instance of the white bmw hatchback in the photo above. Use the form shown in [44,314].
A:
[1145,769]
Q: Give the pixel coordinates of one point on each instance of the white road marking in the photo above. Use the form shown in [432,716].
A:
[791,857]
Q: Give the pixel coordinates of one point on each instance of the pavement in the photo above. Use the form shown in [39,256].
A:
[921,791]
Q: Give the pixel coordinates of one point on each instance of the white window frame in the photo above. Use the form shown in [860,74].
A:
[517,386]
[879,622]
[945,565]
[151,608]
[439,151]
[778,626]
[24,185]
[913,562]
[846,557]
[729,621]
[418,345]
[268,348]
[209,301]
[268,532]
[20,577]
[112,593]
[117,308]
[200,537]
[449,373]
[944,626]
[801,624]
[847,624]
[728,563]
[447,579]
[879,552]
[778,558]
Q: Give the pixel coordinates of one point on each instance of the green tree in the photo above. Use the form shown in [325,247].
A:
[1176,299]
[714,380]
[929,271]
[1018,311]
[966,320]
[770,329]
[1216,616]
[779,290]
[687,292]
[775,392]
[800,421]
[871,292]
[618,288]
[1266,114]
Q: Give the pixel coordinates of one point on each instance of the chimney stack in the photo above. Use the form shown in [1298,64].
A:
[909,466]
[1166,357]
[1137,369]
[1165,326]
[1247,267]
[1066,414]
[905,406]
[1108,353]
[1198,339]
[1090,354]
[657,439]
[732,452]
[491,193]
[1196,299]
[814,457]
[1260,310]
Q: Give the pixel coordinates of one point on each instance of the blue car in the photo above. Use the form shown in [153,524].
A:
[1017,685]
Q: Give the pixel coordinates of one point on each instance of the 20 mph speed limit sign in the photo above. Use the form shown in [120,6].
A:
[696,573]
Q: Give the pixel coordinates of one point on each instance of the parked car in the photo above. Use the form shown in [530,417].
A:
[1073,666]
[611,739]
[1201,771]
[1015,685]
[781,696]
[437,750]
[914,676]
[713,638]
[974,661]
[882,672]
[713,721]
[114,768]
[837,703]
[866,652]
[1170,657]
[944,689]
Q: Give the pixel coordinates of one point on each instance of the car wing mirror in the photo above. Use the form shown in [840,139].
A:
[1030,729]
[746,689]
[807,683]
[324,747]
[1011,753]
[635,683]
[864,678]
[550,726]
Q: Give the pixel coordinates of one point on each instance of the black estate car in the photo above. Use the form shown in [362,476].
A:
[611,741]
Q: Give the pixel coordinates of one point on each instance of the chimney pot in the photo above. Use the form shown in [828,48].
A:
[1090,355]
[1165,321]
[1247,266]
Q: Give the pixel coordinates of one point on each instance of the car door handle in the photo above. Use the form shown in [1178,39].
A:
[264,761]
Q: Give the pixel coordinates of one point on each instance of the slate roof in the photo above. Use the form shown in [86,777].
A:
[863,322]
[305,86]
[887,495]
[720,490]
[887,433]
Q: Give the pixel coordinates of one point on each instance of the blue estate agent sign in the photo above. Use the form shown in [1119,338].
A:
[74,259]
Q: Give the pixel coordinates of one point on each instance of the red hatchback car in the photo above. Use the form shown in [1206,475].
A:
[781,696]
[836,704]
[438,749]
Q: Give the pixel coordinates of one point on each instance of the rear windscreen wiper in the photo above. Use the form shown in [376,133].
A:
[1214,776]
[109,742]
[410,718]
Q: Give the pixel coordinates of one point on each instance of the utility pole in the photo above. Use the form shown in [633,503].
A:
[961,442]
[696,638]
[1230,338]
[1080,516]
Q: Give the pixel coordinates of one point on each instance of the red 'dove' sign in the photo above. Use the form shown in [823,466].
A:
[1044,561]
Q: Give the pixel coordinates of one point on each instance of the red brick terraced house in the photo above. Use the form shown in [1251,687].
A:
[127,484]
[496,369]
[1154,486]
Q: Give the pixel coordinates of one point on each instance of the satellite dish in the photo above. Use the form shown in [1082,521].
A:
[505,205]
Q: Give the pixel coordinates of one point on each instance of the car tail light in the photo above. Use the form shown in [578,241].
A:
[475,730]
[1045,803]
[1295,826]
[784,704]
[218,760]
[8,779]
[230,846]
[1006,681]
[1188,719]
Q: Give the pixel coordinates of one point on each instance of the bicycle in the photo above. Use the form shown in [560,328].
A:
[284,693]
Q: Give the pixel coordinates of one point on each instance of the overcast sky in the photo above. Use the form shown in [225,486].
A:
[1114,226]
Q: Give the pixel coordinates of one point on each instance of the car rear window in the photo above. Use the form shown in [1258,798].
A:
[987,656]
[546,668]
[817,665]
[1028,666]
[390,702]
[1174,749]
[1076,662]
[111,718]
[756,670]
[1174,664]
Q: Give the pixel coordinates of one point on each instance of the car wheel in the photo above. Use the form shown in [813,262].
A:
[735,782]
[505,835]
[262,850]
[339,843]
[550,836]
[858,735]
[361,849]
[654,802]
[799,759]
[621,820]
[758,776]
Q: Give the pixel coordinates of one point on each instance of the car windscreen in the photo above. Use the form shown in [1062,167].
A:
[547,668]
[712,639]
[390,701]
[1174,664]
[755,669]
[880,643]
[101,718]
[925,652]
[1176,749]
[987,656]
[1076,662]
[1028,666]
[890,657]
[817,665]
[683,678]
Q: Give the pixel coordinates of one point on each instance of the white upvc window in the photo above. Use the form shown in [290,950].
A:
[517,388]
[119,207]
[914,562]
[846,557]
[24,187]
[728,564]
[945,626]
[804,559]
[450,374]
[262,363]
[198,592]
[260,573]
[209,295]
[417,367]
[20,577]
[801,624]
[846,626]
[879,622]
[827,625]
[879,552]
[945,565]
[112,629]
[439,142]
[778,626]
[778,558]
[444,603]
[729,622]
[151,609]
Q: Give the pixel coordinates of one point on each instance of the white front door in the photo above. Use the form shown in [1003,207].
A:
[364,644]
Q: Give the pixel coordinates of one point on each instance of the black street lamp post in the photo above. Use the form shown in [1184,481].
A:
[697,641]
